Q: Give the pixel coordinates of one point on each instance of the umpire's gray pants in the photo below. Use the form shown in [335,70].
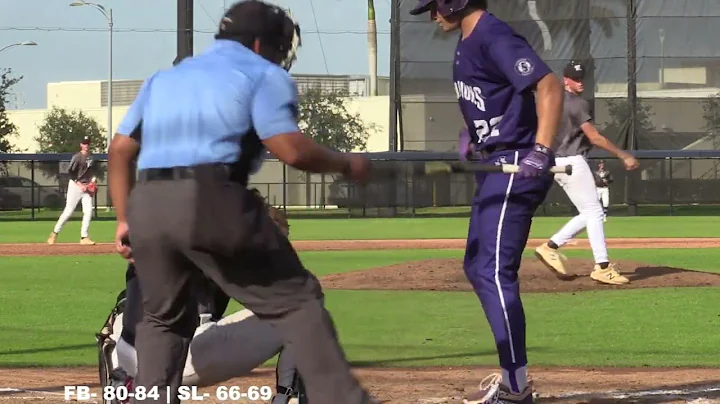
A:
[273,284]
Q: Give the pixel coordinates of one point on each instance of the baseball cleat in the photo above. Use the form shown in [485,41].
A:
[553,260]
[609,275]
[86,241]
[52,239]
[492,391]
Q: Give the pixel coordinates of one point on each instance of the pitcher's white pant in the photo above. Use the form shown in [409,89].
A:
[603,194]
[220,351]
[580,188]
[75,195]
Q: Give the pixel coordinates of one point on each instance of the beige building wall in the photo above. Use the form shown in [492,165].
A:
[299,191]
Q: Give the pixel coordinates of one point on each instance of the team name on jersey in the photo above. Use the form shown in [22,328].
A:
[469,93]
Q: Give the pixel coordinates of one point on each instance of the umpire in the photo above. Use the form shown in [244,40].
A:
[198,130]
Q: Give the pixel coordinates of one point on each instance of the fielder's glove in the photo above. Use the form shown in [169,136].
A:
[91,188]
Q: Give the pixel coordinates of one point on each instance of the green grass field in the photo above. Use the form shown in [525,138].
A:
[395,228]
[52,306]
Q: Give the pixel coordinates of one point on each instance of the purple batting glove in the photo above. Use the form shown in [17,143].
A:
[537,163]
[464,144]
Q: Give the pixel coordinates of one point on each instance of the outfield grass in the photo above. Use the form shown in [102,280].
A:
[52,306]
[417,228]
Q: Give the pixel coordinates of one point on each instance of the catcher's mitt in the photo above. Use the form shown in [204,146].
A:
[277,215]
[280,219]
[91,188]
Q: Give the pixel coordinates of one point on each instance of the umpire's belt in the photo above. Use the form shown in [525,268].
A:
[221,172]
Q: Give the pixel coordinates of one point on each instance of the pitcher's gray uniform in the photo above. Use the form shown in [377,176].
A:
[572,147]
[82,173]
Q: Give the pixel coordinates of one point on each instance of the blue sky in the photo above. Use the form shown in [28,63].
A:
[73,41]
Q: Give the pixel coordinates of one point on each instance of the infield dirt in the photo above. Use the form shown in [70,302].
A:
[442,384]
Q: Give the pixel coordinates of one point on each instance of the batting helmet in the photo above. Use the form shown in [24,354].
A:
[446,7]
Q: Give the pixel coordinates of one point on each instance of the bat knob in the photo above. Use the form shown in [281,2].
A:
[568,170]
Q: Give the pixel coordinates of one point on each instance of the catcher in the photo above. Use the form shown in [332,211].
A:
[222,347]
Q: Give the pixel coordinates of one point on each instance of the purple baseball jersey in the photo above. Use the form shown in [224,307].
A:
[495,71]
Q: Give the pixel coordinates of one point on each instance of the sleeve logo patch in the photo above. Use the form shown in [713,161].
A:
[524,67]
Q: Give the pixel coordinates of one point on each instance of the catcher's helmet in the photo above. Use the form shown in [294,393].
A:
[271,24]
[444,7]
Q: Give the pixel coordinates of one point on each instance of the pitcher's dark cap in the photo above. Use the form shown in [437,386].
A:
[86,140]
[257,19]
[574,71]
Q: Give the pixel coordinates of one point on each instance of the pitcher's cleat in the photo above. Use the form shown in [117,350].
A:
[609,275]
[53,237]
[553,260]
[86,241]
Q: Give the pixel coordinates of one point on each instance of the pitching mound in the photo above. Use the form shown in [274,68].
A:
[448,275]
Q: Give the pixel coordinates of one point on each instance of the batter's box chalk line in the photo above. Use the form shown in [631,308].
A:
[660,395]
[7,393]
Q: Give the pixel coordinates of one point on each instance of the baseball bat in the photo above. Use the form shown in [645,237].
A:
[438,167]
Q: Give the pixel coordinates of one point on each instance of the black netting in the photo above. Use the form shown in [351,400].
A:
[656,81]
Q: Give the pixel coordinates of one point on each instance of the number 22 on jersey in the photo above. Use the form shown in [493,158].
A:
[485,129]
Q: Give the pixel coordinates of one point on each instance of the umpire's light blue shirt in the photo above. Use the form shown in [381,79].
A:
[198,111]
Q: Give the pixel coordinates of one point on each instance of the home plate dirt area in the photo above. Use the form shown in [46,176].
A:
[442,384]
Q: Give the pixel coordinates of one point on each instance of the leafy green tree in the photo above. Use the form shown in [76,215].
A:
[62,131]
[711,114]
[618,129]
[8,129]
[323,116]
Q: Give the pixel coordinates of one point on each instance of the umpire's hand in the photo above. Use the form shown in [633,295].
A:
[122,241]
[357,167]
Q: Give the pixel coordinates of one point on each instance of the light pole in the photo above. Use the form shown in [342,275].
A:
[107,12]
[23,43]
[661,32]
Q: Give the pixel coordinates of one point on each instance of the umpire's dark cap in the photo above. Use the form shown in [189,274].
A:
[254,18]
[574,71]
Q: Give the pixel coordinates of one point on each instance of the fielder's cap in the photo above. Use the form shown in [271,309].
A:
[574,71]
[86,140]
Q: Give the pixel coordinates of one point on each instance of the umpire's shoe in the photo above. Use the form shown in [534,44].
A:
[553,260]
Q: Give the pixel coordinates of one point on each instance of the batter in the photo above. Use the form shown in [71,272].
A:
[511,102]
[577,137]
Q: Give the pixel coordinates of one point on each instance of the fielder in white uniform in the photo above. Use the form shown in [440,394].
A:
[82,173]
[577,135]
[603,179]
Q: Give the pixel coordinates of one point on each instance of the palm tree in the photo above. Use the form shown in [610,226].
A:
[372,47]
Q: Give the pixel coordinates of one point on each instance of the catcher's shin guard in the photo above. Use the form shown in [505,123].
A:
[289,385]
[108,374]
